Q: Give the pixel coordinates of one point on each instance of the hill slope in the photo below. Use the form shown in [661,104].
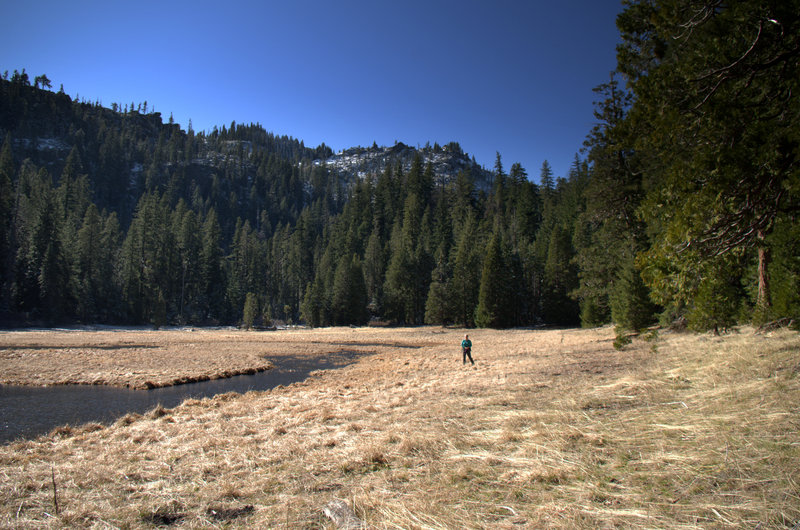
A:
[113,216]
[130,151]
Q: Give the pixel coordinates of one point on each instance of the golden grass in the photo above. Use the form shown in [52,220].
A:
[129,358]
[551,428]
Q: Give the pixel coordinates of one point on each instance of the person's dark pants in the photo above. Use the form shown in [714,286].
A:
[467,353]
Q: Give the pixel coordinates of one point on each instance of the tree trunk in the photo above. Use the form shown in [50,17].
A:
[764,301]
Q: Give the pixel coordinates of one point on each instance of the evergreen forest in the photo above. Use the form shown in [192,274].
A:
[681,208]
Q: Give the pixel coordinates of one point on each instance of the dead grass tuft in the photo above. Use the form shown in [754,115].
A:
[158,412]
[163,516]
[420,446]
[128,419]
[375,459]
[62,431]
[223,514]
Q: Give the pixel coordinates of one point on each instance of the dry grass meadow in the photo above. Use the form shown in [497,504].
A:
[131,358]
[550,429]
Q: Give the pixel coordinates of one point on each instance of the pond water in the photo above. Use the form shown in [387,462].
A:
[26,412]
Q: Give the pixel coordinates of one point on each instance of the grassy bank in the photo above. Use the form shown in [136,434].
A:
[550,429]
[127,358]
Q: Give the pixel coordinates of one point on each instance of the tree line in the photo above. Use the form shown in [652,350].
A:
[683,210]
[144,222]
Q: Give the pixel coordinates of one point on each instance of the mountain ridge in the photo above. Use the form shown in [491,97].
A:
[446,162]
[49,124]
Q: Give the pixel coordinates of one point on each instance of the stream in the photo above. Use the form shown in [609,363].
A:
[26,411]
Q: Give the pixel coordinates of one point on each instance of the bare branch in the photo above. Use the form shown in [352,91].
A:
[740,59]
[700,17]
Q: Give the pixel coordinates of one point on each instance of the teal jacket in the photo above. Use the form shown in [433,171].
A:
[466,343]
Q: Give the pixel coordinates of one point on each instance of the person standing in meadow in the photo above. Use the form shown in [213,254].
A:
[466,350]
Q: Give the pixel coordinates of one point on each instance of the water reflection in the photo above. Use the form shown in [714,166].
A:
[26,412]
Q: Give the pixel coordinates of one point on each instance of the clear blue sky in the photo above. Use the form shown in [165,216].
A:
[513,77]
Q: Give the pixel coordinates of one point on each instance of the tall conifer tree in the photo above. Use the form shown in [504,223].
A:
[716,114]
[495,289]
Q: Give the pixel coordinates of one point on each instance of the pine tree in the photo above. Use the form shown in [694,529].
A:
[546,179]
[250,310]
[466,281]
[408,272]
[73,190]
[719,297]
[342,287]
[134,270]
[187,236]
[423,266]
[107,262]
[785,268]
[46,266]
[559,279]
[463,202]
[240,273]
[493,297]
[87,273]
[313,309]
[419,182]
[497,204]
[523,211]
[211,274]
[631,308]
[609,233]
[7,191]
[316,307]
[74,199]
[399,289]
[349,302]
[438,307]
[374,272]
[158,314]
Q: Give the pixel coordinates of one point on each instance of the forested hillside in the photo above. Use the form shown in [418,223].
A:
[685,207]
[111,215]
